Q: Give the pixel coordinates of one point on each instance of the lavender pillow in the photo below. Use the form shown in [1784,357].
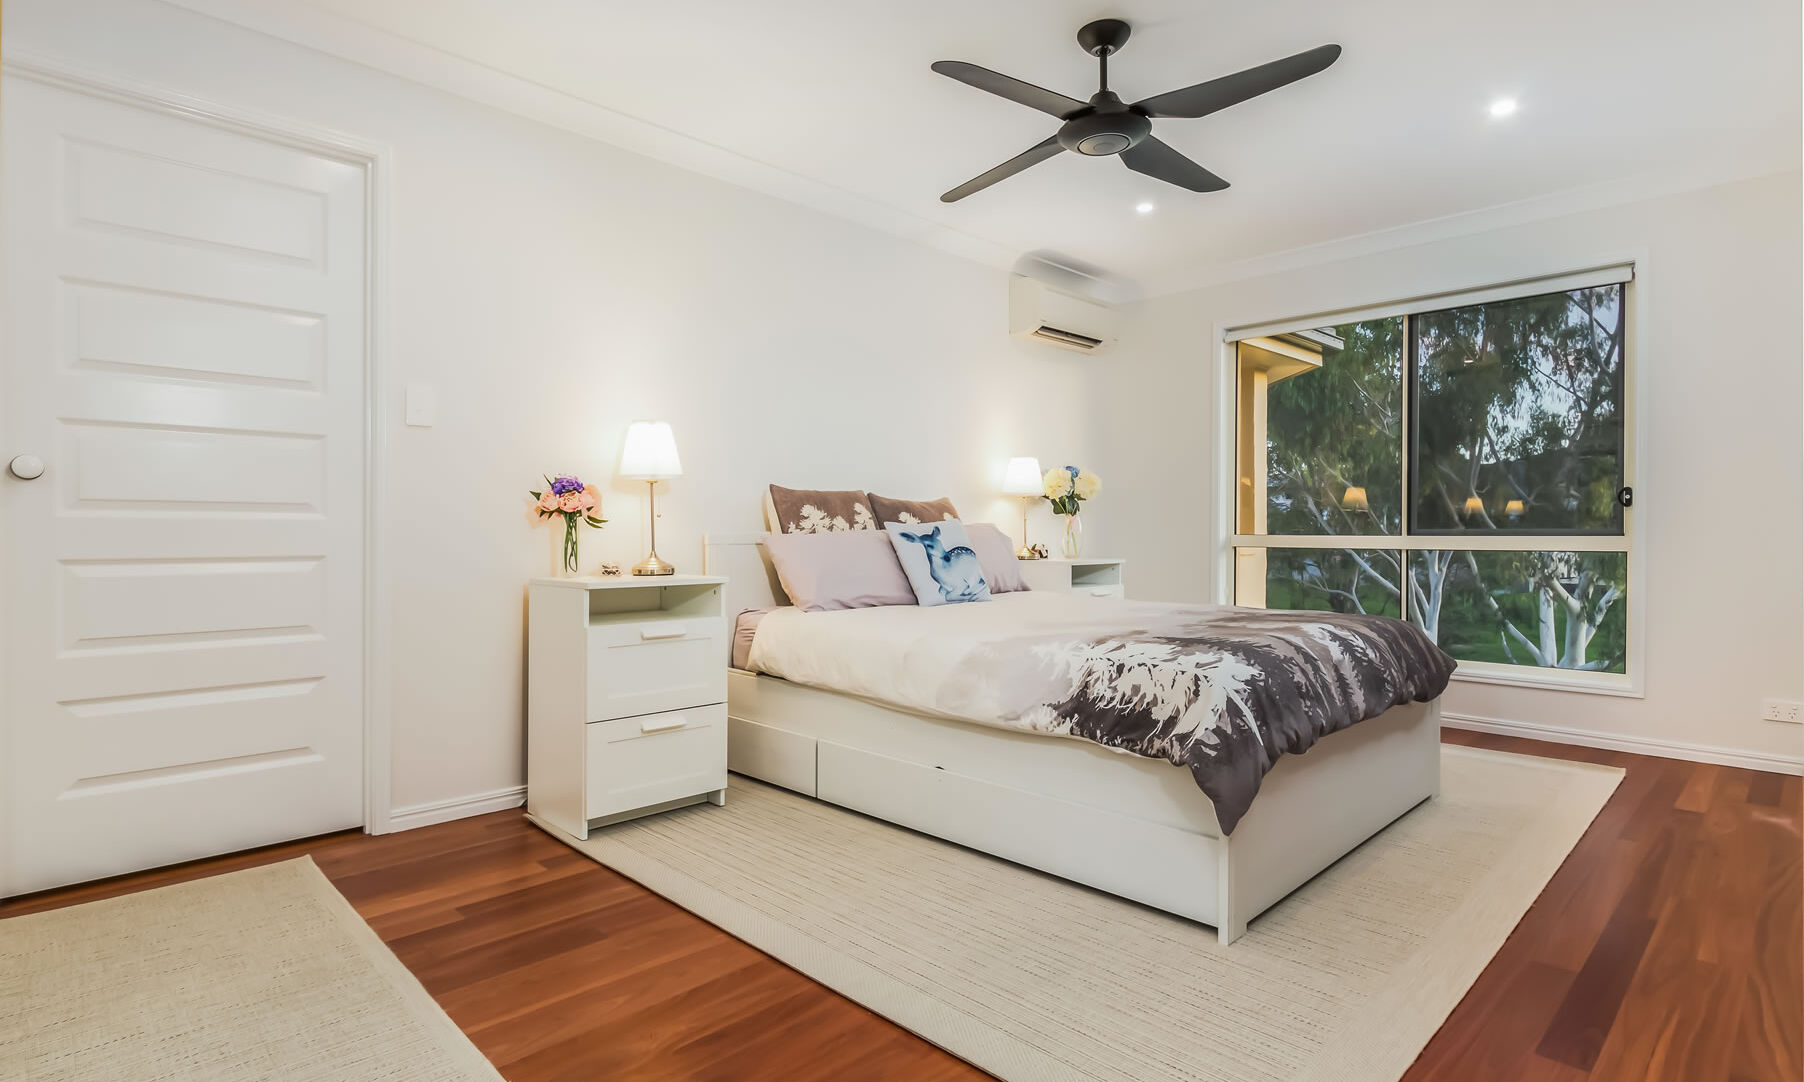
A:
[997,555]
[845,569]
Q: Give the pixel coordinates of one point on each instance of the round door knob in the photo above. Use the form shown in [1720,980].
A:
[26,467]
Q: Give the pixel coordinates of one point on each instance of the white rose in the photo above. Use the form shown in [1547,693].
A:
[1056,484]
[1087,485]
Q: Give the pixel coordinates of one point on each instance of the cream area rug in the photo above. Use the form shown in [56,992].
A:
[260,974]
[1033,978]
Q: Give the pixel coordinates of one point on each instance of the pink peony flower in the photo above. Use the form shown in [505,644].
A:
[588,497]
[570,501]
[548,502]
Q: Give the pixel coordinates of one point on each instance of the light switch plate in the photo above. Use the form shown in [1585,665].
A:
[422,407]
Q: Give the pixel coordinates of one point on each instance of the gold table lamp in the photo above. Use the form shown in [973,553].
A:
[650,455]
[1022,481]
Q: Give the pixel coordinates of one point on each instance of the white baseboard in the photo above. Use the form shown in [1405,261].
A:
[443,811]
[1639,745]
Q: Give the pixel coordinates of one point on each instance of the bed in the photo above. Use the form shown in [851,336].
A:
[1133,826]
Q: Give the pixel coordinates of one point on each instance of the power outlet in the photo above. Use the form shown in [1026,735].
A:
[1781,710]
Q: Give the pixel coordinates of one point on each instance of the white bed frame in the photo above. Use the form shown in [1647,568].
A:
[1135,827]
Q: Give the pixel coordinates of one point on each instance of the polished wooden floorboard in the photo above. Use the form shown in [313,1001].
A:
[1669,946]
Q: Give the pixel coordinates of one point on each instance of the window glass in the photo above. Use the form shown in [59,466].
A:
[1334,580]
[1517,416]
[1565,610]
[1330,405]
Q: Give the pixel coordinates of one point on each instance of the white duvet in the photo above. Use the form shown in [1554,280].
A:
[907,655]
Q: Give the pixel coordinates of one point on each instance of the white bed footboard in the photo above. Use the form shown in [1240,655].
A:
[1315,808]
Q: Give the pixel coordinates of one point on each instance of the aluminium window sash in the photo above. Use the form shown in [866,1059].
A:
[1438,542]
[1614,274]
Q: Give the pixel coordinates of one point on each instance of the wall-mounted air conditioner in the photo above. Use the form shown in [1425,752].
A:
[1040,313]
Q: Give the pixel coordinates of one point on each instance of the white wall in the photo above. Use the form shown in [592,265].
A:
[1717,488]
[551,289]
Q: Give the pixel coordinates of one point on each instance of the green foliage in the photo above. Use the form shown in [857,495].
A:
[1490,592]
[1521,400]
[1335,428]
[1333,580]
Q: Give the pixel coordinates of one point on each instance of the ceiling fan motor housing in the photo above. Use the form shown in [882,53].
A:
[1099,134]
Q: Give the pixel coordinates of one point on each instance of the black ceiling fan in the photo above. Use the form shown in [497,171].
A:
[1107,125]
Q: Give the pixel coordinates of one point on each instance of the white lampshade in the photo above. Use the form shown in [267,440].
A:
[1022,478]
[650,453]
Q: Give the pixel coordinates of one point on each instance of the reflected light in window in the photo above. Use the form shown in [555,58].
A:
[1513,509]
[1474,505]
[1355,499]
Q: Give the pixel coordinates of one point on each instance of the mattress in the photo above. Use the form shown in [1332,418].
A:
[1224,691]
[745,627]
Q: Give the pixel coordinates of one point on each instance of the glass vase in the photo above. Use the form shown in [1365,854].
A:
[566,558]
[1074,536]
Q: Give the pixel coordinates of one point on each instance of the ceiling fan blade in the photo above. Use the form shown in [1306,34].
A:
[1033,155]
[1013,89]
[1159,161]
[1217,94]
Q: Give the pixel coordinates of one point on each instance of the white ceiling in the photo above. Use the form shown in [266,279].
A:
[831,102]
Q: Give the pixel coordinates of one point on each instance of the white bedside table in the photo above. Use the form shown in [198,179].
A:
[1091,576]
[626,685]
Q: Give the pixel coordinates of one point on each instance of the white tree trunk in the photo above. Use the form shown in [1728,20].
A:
[1544,616]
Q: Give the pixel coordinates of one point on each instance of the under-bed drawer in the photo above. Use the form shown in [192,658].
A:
[637,762]
[773,755]
[644,666]
[1087,844]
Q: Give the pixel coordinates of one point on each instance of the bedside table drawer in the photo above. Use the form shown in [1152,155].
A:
[644,666]
[635,762]
[1099,591]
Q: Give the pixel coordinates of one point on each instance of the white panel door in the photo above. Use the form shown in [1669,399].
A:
[184,348]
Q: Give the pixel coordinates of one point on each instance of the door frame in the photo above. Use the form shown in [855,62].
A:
[375,161]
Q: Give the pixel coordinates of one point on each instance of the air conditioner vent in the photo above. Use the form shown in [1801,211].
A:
[1066,338]
[1040,313]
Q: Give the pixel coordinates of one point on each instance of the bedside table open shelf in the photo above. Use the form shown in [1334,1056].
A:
[626,698]
[1092,576]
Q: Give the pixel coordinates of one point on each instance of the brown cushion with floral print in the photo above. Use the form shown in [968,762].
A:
[888,510]
[805,510]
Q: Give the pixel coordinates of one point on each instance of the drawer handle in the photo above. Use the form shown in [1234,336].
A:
[648,636]
[1104,592]
[662,726]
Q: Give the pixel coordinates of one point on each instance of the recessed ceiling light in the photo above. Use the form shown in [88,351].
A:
[1502,107]
[1143,208]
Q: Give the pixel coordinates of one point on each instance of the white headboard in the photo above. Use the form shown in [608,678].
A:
[751,580]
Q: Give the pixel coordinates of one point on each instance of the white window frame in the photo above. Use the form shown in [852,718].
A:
[1633,273]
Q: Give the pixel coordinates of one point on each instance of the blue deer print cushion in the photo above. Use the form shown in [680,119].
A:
[938,559]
